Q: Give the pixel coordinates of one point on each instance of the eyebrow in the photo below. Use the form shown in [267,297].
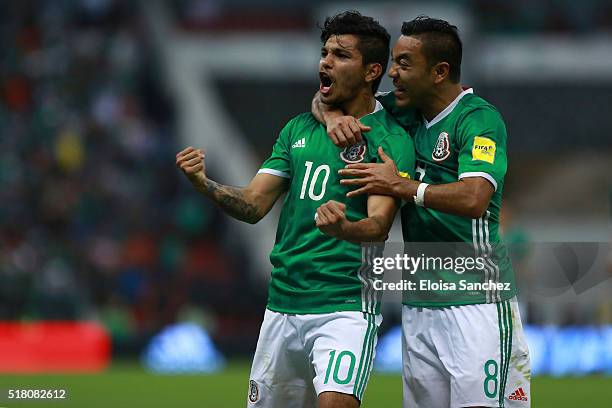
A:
[402,56]
[338,49]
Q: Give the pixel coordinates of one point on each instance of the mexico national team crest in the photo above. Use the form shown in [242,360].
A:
[442,149]
[354,153]
[253,391]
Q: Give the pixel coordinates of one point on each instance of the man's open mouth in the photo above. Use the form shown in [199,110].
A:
[399,91]
[326,83]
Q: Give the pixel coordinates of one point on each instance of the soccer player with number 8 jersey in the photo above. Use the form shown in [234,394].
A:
[317,342]
[460,349]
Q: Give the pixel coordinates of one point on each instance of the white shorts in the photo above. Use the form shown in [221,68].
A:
[300,356]
[465,356]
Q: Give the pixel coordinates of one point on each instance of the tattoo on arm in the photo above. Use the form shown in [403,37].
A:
[233,201]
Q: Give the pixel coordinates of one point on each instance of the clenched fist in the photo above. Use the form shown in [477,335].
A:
[331,218]
[191,161]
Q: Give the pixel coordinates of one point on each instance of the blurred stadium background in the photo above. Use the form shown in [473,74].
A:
[111,265]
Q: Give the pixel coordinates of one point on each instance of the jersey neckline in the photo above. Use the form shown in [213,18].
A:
[448,109]
[377,107]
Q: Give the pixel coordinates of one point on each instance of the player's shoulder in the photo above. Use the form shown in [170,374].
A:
[387,130]
[407,117]
[474,104]
[478,116]
[383,124]
[300,124]
[303,119]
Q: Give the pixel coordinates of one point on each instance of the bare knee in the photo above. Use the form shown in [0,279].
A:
[330,399]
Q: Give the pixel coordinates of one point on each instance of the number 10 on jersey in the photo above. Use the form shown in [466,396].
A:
[309,183]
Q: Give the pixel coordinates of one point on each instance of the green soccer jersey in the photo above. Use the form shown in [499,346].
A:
[467,139]
[313,272]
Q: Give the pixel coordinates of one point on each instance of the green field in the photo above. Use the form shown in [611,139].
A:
[127,385]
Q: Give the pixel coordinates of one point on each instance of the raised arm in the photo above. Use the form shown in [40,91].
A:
[342,130]
[331,220]
[249,204]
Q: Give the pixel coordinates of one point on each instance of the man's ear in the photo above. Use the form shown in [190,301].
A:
[373,72]
[440,72]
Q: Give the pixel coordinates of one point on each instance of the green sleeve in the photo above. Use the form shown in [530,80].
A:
[482,150]
[406,117]
[387,99]
[279,163]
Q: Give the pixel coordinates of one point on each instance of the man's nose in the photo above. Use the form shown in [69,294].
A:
[326,61]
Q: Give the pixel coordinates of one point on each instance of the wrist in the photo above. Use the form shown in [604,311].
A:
[419,197]
[404,188]
[343,228]
[203,184]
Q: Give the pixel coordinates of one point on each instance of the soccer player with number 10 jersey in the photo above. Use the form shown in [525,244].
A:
[317,342]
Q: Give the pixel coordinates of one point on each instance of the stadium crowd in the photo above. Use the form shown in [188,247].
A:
[95,221]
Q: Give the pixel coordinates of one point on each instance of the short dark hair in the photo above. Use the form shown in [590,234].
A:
[373,38]
[441,42]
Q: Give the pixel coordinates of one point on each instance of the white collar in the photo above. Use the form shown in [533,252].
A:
[377,107]
[447,110]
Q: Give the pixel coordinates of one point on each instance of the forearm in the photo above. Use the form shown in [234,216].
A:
[236,202]
[323,112]
[371,229]
[456,198]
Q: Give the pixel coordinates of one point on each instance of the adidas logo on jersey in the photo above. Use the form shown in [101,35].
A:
[299,143]
[518,395]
